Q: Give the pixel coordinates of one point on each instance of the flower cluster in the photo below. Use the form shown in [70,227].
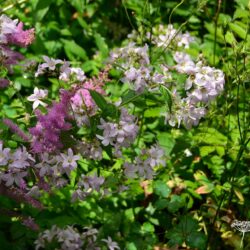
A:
[138,72]
[11,32]
[143,165]
[121,134]
[53,167]
[15,166]
[86,185]
[66,73]
[203,83]
[46,133]
[69,238]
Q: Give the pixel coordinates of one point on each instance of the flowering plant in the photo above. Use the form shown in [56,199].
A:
[108,158]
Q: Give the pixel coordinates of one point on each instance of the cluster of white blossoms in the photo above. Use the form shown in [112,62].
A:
[66,73]
[14,165]
[144,164]
[121,134]
[163,36]
[203,83]
[137,69]
[69,238]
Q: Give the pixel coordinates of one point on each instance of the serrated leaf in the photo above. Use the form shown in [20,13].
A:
[230,38]
[238,30]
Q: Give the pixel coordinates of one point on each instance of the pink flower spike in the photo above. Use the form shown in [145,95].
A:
[21,37]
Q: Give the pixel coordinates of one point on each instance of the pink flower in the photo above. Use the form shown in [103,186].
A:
[21,37]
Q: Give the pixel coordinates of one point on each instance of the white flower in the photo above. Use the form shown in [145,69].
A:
[65,71]
[80,76]
[36,98]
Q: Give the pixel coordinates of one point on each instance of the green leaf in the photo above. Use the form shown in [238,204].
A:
[99,99]
[197,240]
[238,30]
[206,150]
[108,109]
[161,204]
[161,189]
[41,9]
[101,45]
[147,227]
[241,13]
[130,96]
[167,97]
[131,246]
[230,38]
[175,203]
[187,231]
[73,50]
[166,141]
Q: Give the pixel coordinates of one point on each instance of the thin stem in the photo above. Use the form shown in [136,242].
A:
[173,10]
[215,31]
[242,239]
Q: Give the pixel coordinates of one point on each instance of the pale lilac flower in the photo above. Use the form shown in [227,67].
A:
[14,177]
[79,73]
[109,132]
[7,26]
[119,135]
[20,159]
[90,150]
[130,170]
[36,98]
[185,63]
[156,156]
[143,165]
[91,183]
[65,71]
[69,160]
[4,155]
[50,63]
[112,245]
